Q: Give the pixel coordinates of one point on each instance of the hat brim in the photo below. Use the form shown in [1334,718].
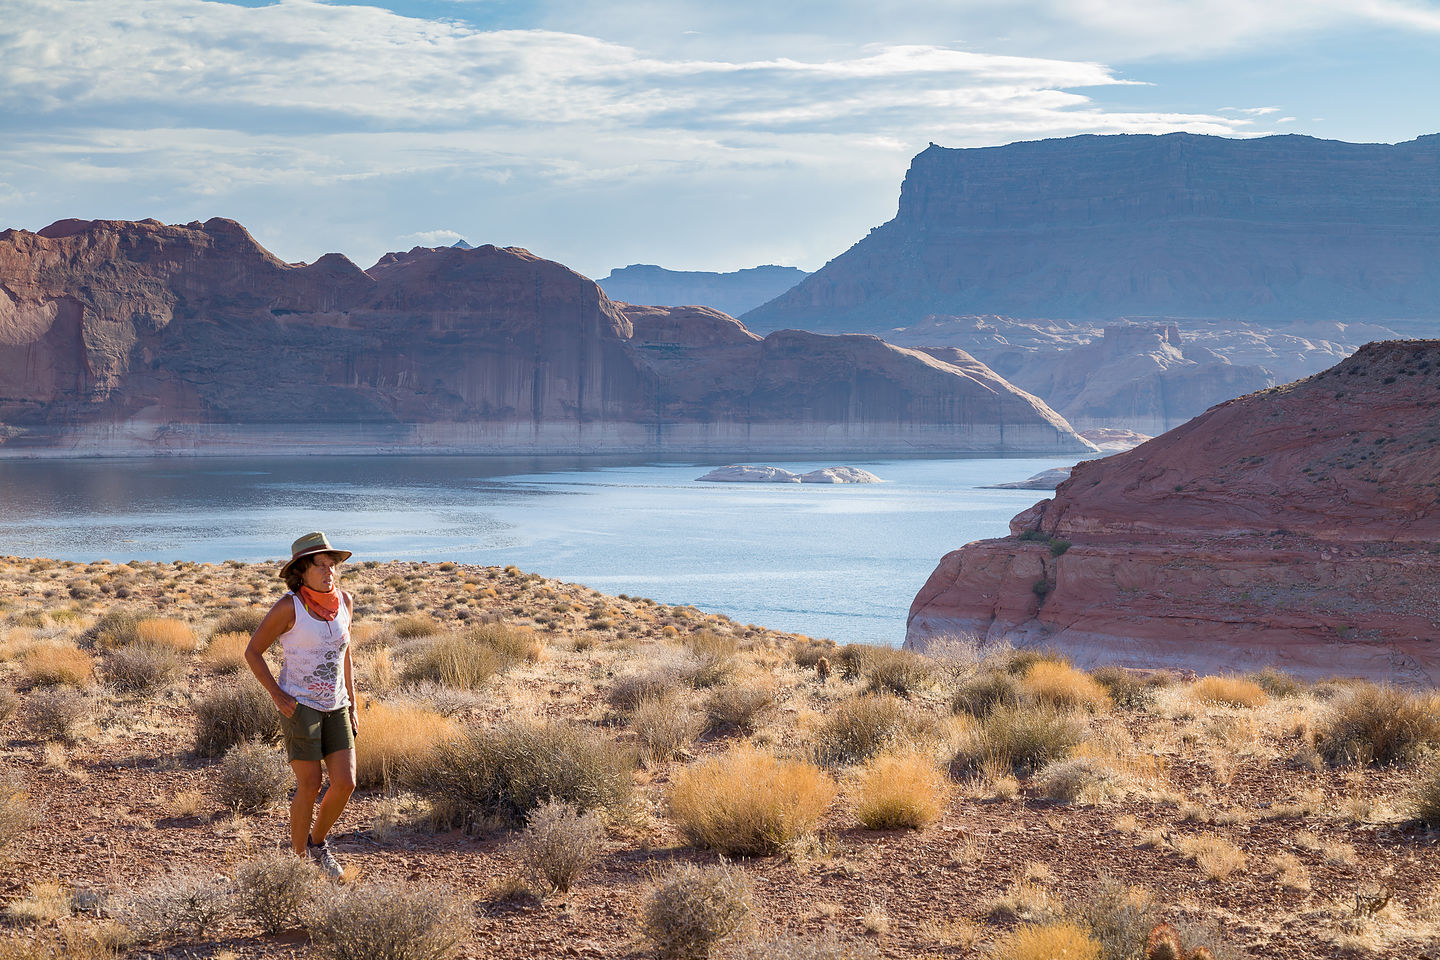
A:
[342,554]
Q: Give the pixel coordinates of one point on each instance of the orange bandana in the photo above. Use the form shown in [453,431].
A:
[325,606]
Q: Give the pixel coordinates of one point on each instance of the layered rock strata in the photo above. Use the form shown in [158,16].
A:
[734,293]
[138,338]
[1297,527]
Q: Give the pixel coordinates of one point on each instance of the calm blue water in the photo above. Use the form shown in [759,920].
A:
[842,561]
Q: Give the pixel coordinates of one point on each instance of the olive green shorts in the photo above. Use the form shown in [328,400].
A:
[313,734]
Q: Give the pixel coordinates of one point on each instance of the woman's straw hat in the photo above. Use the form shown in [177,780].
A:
[312,543]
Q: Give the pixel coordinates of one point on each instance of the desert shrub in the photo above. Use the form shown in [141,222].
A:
[658,683]
[252,777]
[245,621]
[58,664]
[1377,725]
[142,668]
[558,845]
[808,651]
[829,946]
[117,627]
[275,888]
[1024,739]
[1277,683]
[1230,691]
[17,813]
[414,625]
[901,672]
[1120,918]
[56,714]
[1075,779]
[388,921]
[166,632]
[1048,941]
[694,908]
[1061,685]
[514,643]
[394,736]
[180,904]
[1019,662]
[68,943]
[852,658]
[714,655]
[454,660]
[899,791]
[504,772]
[1423,801]
[231,715]
[665,727]
[9,702]
[748,803]
[740,706]
[983,694]
[226,651]
[1127,689]
[861,727]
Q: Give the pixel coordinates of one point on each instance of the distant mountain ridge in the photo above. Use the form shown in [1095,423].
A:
[732,293]
[1178,226]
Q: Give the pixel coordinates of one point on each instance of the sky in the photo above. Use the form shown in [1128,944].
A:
[688,133]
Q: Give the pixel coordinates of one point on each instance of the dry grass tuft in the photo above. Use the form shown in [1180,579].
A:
[226,651]
[901,791]
[665,727]
[1019,739]
[1051,941]
[1061,686]
[143,668]
[745,802]
[1216,857]
[694,909]
[1230,691]
[740,707]
[982,695]
[232,715]
[395,736]
[858,728]
[57,664]
[165,632]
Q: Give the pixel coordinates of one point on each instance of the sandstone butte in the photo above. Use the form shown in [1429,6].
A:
[138,338]
[1297,527]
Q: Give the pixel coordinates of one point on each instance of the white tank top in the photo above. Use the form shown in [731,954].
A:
[314,668]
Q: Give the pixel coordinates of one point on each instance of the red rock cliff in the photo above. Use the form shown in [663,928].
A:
[120,337]
[1298,526]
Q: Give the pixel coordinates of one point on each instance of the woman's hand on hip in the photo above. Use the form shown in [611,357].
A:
[286,704]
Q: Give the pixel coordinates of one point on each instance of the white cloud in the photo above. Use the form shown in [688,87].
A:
[433,238]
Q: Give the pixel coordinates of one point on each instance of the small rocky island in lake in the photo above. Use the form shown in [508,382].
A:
[1044,480]
[738,473]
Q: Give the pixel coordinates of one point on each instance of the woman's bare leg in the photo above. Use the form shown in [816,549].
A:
[302,805]
[341,767]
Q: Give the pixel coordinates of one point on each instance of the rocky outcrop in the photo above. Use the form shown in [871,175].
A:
[733,293]
[1179,225]
[135,338]
[1295,527]
[744,473]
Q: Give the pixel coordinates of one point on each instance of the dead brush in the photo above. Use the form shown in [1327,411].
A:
[226,651]
[558,845]
[827,946]
[740,707]
[143,668]
[58,664]
[748,803]
[861,727]
[252,777]
[665,727]
[70,943]
[57,714]
[276,889]
[388,921]
[395,736]
[9,702]
[1118,916]
[234,714]
[1128,690]
[1377,725]
[693,909]
[1423,800]
[179,905]
[901,791]
[1061,686]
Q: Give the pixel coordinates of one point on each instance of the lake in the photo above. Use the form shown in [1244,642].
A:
[839,561]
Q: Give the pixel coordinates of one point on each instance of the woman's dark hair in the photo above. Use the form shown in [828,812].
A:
[295,576]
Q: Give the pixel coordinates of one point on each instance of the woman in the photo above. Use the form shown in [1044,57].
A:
[316,690]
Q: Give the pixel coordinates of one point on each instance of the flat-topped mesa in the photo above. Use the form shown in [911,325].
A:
[139,338]
[1297,526]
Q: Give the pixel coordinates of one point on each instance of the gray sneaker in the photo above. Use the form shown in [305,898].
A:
[321,856]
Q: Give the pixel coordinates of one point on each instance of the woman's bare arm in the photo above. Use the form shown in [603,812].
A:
[279,620]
